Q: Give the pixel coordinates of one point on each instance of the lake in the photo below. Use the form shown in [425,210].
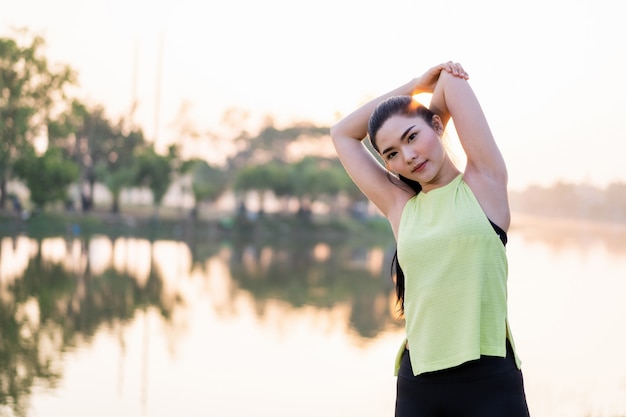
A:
[128,326]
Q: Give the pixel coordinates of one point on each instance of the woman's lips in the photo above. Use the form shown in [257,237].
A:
[419,167]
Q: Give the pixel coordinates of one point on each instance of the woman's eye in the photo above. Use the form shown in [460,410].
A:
[412,136]
[391,155]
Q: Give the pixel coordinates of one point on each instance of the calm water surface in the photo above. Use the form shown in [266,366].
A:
[132,327]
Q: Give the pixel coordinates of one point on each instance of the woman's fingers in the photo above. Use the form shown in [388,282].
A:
[455,69]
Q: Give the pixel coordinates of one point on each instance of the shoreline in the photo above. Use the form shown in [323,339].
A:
[529,224]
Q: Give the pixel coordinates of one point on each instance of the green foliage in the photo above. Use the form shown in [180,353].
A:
[116,181]
[310,179]
[47,176]
[103,149]
[153,171]
[316,177]
[29,89]
[252,178]
[208,183]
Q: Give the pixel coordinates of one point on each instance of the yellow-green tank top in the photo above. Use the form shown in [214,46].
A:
[455,268]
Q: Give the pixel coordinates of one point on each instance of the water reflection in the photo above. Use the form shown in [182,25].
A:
[127,326]
[58,293]
[316,274]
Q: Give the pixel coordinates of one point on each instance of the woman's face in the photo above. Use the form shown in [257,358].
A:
[411,147]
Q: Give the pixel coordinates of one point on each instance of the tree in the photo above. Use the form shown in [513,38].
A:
[254,178]
[116,181]
[116,170]
[208,183]
[280,181]
[31,91]
[315,178]
[47,176]
[103,149]
[154,171]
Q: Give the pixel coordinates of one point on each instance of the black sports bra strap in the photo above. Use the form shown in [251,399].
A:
[501,233]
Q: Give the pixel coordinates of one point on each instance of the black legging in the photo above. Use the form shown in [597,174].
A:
[487,387]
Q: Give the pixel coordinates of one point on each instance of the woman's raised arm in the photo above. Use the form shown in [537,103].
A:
[485,171]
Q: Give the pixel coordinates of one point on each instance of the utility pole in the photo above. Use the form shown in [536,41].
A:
[157,100]
[134,103]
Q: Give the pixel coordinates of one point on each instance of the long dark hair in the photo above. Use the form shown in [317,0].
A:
[397,274]
[404,106]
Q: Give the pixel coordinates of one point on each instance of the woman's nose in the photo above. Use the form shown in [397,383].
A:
[409,155]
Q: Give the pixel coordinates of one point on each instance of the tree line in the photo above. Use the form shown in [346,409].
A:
[85,147]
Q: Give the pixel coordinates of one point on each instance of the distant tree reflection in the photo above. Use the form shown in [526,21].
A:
[294,272]
[51,307]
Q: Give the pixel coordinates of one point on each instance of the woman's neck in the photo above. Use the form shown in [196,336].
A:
[446,175]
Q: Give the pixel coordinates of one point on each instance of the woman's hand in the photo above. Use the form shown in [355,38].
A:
[427,82]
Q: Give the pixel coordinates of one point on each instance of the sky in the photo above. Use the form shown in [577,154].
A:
[548,73]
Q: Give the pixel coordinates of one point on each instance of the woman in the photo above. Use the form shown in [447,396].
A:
[458,358]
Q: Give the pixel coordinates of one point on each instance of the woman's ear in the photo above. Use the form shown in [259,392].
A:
[437,125]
